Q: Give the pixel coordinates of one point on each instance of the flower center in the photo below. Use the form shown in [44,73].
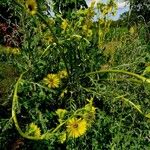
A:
[51,81]
[30,7]
[75,125]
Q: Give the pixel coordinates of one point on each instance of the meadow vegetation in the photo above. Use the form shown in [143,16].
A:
[69,82]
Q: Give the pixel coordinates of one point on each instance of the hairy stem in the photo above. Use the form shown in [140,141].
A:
[143,79]
[14,117]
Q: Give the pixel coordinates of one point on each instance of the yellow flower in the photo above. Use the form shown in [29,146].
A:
[84,28]
[34,130]
[64,24]
[63,93]
[109,8]
[11,50]
[63,74]
[89,33]
[90,111]
[31,6]
[47,39]
[61,113]
[104,10]
[52,80]
[76,127]
[89,115]
[101,21]
[131,30]
[15,50]
[62,137]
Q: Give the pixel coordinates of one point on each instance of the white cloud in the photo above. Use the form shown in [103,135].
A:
[122,4]
[88,2]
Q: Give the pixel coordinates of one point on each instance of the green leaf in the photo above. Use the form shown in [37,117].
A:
[147,70]
[147,115]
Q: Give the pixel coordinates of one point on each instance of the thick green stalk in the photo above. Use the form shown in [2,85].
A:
[137,107]
[143,79]
[14,107]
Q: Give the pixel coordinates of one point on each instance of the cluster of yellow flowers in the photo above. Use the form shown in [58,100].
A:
[47,40]
[77,126]
[13,50]
[10,50]
[53,80]
[33,130]
[133,30]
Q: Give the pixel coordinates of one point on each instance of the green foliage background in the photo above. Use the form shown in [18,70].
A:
[80,46]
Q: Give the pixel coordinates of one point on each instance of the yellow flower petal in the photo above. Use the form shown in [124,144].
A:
[64,24]
[52,80]
[62,137]
[63,74]
[31,6]
[34,130]
[76,127]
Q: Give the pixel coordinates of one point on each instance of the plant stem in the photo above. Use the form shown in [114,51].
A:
[14,104]
[123,72]
[44,20]
[131,103]
[41,17]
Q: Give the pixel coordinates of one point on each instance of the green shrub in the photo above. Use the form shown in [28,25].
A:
[81,85]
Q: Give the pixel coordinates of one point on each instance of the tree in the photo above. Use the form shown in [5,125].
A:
[140,8]
[67,6]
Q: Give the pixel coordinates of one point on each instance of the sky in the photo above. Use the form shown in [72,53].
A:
[122,7]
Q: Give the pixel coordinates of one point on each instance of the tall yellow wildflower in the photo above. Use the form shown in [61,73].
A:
[31,6]
[52,80]
[76,127]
